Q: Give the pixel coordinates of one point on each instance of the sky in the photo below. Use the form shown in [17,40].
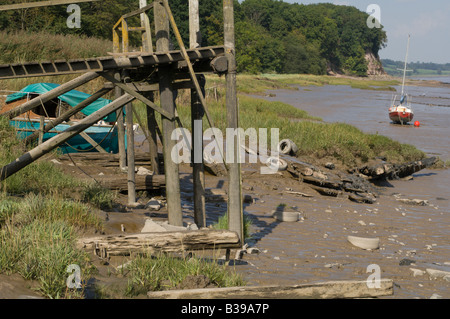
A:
[428,22]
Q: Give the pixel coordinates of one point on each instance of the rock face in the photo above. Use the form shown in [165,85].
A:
[374,66]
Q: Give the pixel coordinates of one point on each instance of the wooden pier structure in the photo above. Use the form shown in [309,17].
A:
[137,76]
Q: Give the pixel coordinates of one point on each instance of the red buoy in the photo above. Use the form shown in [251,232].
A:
[416,123]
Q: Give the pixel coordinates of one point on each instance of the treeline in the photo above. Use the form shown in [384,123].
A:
[396,67]
[271,35]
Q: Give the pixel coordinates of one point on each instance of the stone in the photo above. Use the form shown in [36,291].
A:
[435,296]
[153,204]
[406,262]
[417,272]
[285,216]
[364,243]
[253,251]
[144,171]
[152,227]
[436,273]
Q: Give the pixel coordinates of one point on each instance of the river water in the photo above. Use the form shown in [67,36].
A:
[310,250]
[368,110]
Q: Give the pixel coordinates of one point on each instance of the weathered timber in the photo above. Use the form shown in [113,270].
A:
[234,207]
[327,191]
[142,182]
[64,136]
[123,245]
[28,5]
[66,87]
[107,160]
[395,171]
[101,64]
[326,290]
[167,98]
[69,113]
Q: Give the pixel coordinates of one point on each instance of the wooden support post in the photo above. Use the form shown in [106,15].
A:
[165,74]
[130,153]
[197,113]
[153,137]
[151,119]
[28,106]
[41,129]
[120,126]
[61,138]
[235,209]
[198,169]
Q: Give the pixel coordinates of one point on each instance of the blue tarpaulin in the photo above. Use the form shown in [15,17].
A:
[72,98]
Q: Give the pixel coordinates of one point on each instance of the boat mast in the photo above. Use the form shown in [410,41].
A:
[406,63]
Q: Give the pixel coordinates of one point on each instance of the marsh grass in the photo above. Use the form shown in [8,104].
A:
[38,235]
[162,272]
[222,223]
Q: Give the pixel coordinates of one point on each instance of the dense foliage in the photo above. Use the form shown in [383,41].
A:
[271,35]
[416,68]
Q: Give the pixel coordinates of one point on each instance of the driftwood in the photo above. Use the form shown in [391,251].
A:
[108,160]
[124,245]
[120,182]
[326,290]
[395,171]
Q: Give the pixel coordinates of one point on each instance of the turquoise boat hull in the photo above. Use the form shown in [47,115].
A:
[104,135]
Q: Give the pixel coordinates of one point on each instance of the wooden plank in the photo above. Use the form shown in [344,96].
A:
[28,5]
[138,96]
[66,87]
[123,245]
[235,209]
[69,113]
[61,138]
[142,183]
[326,290]
[167,98]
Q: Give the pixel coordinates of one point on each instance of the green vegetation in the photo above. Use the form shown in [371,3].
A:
[395,68]
[271,36]
[149,273]
[222,223]
[37,236]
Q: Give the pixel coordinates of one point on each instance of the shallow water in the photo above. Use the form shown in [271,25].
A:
[303,252]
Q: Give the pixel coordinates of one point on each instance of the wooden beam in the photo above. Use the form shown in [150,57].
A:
[138,96]
[123,245]
[142,182]
[326,290]
[61,138]
[69,113]
[167,98]
[28,5]
[235,206]
[28,106]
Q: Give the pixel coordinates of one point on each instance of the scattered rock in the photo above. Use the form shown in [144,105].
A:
[417,202]
[253,251]
[151,227]
[330,166]
[435,296]
[362,223]
[417,272]
[55,161]
[435,274]
[364,243]
[144,171]
[285,216]
[153,204]
[406,262]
